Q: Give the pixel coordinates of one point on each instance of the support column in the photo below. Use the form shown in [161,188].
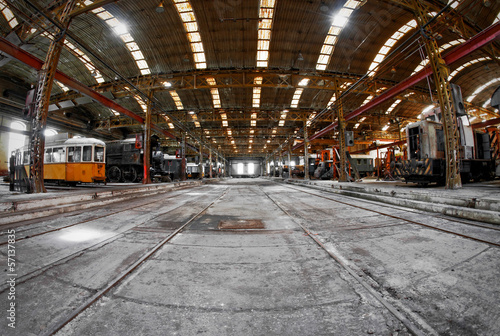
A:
[289,159]
[280,165]
[200,161]
[306,153]
[216,165]
[274,164]
[183,157]
[210,165]
[448,115]
[342,147]
[42,99]
[147,142]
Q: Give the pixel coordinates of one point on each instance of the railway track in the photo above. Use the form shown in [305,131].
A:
[409,221]
[30,275]
[51,330]
[14,225]
[422,329]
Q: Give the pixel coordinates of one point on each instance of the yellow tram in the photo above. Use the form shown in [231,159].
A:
[69,160]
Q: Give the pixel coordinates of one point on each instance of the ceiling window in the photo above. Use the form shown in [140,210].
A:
[389,44]
[121,30]
[214,92]
[465,65]
[256,92]
[393,106]
[8,15]
[442,48]
[177,100]
[266,13]
[340,20]
[188,18]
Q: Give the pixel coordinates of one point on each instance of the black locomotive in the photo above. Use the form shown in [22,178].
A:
[125,162]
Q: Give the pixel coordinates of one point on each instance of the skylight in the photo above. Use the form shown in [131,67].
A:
[7,13]
[188,18]
[122,31]
[332,100]
[253,121]
[177,100]
[296,97]
[389,44]
[465,65]
[82,57]
[424,62]
[266,13]
[481,88]
[339,21]
[256,92]
[214,91]
[393,106]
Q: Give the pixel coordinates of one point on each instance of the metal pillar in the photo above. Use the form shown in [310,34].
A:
[342,147]
[289,160]
[280,165]
[306,153]
[210,165]
[42,99]
[448,115]
[147,142]
[200,161]
[216,164]
[183,157]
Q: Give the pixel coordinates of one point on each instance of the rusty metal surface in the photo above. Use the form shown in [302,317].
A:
[241,224]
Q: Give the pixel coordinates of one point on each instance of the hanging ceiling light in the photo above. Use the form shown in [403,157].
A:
[160,8]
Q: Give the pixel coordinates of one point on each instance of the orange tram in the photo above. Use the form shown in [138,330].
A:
[67,160]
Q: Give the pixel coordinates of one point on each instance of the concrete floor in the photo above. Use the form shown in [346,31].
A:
[373,275]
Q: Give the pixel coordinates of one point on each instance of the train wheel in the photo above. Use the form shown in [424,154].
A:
[129,174]
[114,174]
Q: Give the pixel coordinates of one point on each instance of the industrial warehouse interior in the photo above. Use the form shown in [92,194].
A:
[250,167]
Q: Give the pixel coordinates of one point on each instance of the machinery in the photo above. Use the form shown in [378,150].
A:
[426,152]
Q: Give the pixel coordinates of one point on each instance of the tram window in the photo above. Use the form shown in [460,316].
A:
[58,154]
[87,153]
[48,155]
[75,154]
[99,154]
[26,158]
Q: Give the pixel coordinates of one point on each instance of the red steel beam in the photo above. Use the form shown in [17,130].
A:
[478,41]
[490,122]
[34,62]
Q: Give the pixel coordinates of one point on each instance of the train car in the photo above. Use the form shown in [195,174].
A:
[170,166]
[69,160]
[363,163]
[124,161]
[426,152]
[193,171]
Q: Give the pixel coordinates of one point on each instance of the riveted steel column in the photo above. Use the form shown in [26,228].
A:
[200,162]
[280,165]
[306,153]
[289,160]
[183,157]
[42,99]
[342,148]
[448,115]
[210,165]
[147,142]
[216,164]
